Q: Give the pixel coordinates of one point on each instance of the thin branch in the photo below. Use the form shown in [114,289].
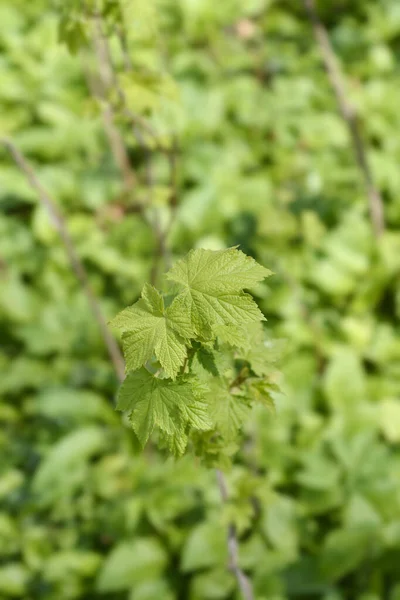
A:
[77,266]
[173,199]
[101,90]
[123,41]
[173,170]
[109,82]
[139,126]
[349,115]
[110,78]
[118,149]
[243,581]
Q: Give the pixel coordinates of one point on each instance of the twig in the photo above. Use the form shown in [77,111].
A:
[110,78]
[118,149]
[77,266]
[233,546]
[349,115]
[173,199]
[107,79]
[123,41]
[139,126]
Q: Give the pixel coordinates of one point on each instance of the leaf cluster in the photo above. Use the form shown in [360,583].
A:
[194,355]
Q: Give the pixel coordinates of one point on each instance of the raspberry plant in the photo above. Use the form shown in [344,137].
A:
[196,355]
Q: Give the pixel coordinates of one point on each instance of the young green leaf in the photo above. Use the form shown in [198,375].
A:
[261,353]
[171,405]
[148,328]
[262,391]
[212,285]
[228,411]
[232,335]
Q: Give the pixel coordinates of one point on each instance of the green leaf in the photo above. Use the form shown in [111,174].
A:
[389,419]
[153,299]
[213,283]
[261,352]
[179,318]
[155,588]
[232,335]
[228,411]
[214,584]
[262,390]
[148,329]
[76,406]
[346,549]
[63,469]
[344,380]
[168,404]
[206,359]
[205,547]
[130,562]
[206,300]
[69,563]
[13,580]
[279,524]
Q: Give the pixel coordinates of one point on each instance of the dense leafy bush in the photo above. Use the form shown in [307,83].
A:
[264,162]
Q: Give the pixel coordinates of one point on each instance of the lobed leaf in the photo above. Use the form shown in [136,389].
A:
[171,405]
[148,328]
[228,411]
[212,285]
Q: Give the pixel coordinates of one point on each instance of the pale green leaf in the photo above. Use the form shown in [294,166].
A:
[228,411]
[389,419]
[213,283]
[153,299]
[262,391]
[168,404]
[149,329]
[232,335]
[261,352]
[218,270]
[204,547]
[179,318]
[176,443]
[131,562]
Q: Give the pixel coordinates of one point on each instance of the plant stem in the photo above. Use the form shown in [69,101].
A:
[76,264]
[349,115]
[243,581]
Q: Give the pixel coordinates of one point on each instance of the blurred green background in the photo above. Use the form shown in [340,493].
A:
[265,161]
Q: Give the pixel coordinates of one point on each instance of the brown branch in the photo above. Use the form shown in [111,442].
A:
[243,581]
[109,83]
[349,115]
[118,149]
[76,264]
[101,90]
[173,199]
[139,127]
[110,79]
[123,41]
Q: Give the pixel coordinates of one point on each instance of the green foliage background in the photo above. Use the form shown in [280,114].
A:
[265,162]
